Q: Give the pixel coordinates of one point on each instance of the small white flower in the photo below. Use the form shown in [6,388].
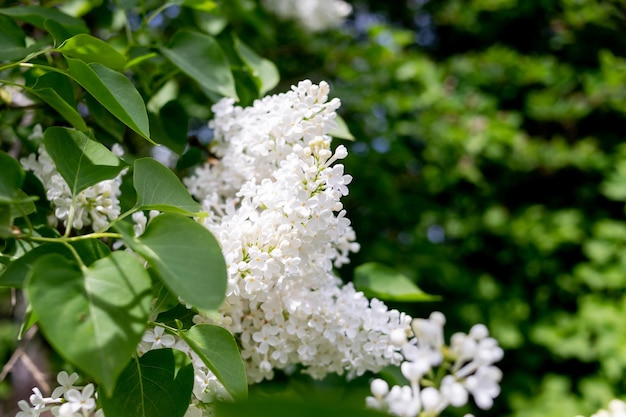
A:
[158,339]
[66,383]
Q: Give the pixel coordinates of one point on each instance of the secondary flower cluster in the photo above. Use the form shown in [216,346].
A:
[95,206]
[273,199]
[469,360]
[314,15]
[67,400]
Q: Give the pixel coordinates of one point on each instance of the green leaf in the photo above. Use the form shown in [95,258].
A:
[6,231]
[94,317]
[114,91]
[11,179]
[263,71]
[158,188]
[175,126]
[90,49]
[18,272]
[12,41]
[103,118]
[291,408]
[380,281]
[185,255]
[81,161]
[201,58]
[218,350]
[151,387]
[341,131]
[58,31]
[38,15]
[56,91]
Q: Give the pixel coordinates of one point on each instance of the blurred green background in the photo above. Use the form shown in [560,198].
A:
[489,167]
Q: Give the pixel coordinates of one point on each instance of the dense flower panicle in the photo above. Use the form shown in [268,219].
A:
[273,199]
[95,206]
[314,15]
[469,359]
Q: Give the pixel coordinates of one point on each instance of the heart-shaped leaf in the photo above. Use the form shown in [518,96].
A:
[90,49]
[94,317]
[81,161]
[185,255]
[151,387]
[158,188]
[201,58]
[218,350]
[114,91]
[380,281]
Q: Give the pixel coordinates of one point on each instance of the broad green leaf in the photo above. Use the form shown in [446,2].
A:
[175,125]
[281,407]
[212,23]
[263,71]
[81,161]
[11,178]
[94,317]
[201,58]
[218,350]
[110,124]
[341,131]
[185,255]
[6,231]
[56,91]
[380,281]
[114,91]
[158,188]
[58,31]
[151,387]
[12,40]
[18,271]
[92,50]
[23,204]
[37,16]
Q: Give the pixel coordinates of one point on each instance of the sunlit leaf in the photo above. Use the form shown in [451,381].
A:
[95,316]
[38,15]
[380,281]
[218,350]
[185,255]
[90,49]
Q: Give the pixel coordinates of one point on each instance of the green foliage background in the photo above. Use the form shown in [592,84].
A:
[489,165]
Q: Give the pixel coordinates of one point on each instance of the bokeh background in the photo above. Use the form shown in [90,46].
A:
[489,167]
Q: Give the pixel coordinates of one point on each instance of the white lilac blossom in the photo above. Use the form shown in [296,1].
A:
[468,361]
[95,206]
[273,199]
[314,15]
[67,400]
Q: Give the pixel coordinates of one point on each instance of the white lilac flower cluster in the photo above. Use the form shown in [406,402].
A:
[95,206]
[314,15]
[468,361]
[66,400]
[616,408]
[273,199]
